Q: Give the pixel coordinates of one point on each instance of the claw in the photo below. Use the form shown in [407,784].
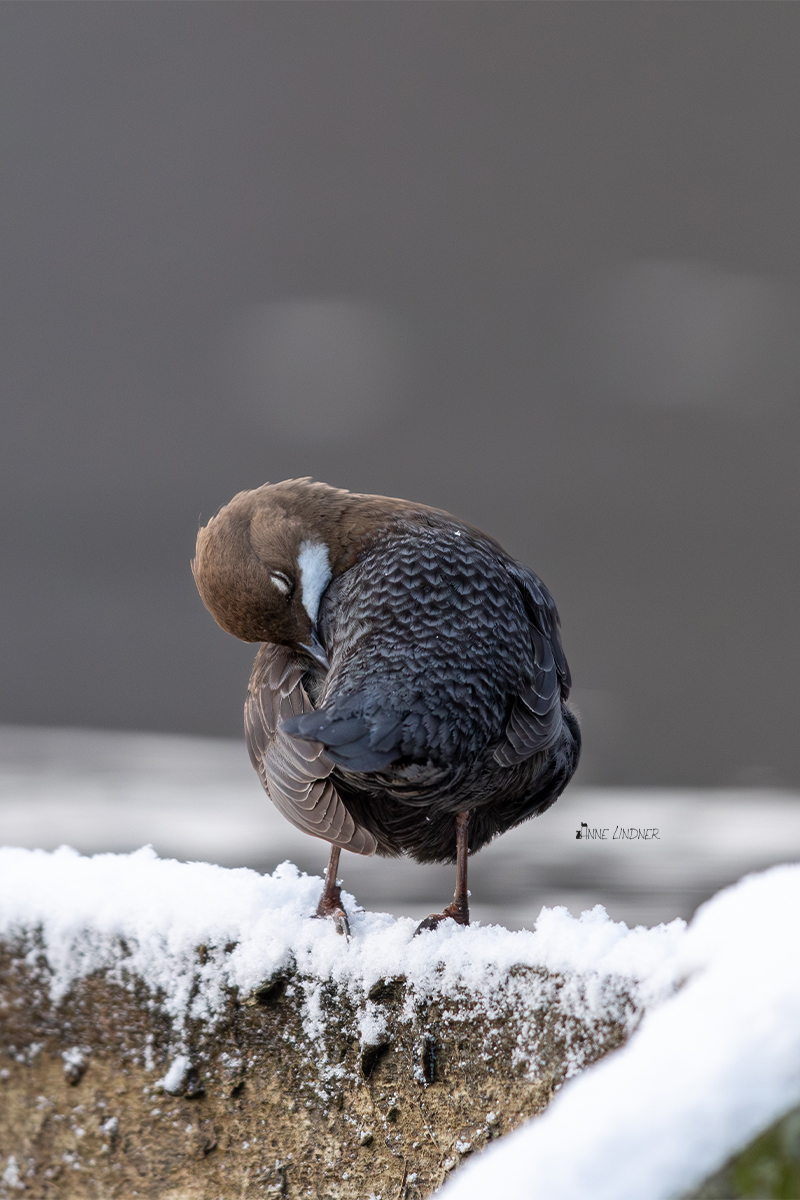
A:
[458,909]
[342,924]
[330,905]
[454,912]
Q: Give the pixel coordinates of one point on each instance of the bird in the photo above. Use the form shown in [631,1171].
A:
[410,692]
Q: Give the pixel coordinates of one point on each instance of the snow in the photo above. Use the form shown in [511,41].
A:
[94,913]
[10,1176]
[175,1077]
[704,1073]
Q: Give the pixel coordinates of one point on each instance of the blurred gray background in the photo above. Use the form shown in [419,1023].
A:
[537,264]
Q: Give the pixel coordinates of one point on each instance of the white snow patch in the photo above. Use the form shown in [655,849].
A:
[704,1073]
[372,1026]
[175,1077]
[150,915]
[10,1176]
[75,1060]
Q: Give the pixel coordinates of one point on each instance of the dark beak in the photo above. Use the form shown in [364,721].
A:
[315,648]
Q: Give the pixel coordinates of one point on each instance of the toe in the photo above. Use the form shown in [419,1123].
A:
[431,922]
[341,922]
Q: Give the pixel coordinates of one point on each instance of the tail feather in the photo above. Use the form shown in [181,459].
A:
[351,742]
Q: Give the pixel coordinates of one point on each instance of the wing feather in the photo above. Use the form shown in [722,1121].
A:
[534,724]
[294,773]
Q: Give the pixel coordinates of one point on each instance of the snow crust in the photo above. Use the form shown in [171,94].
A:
[152,914]
[702,1075]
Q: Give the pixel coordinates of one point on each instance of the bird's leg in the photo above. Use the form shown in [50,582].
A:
[459,909]
[330,902]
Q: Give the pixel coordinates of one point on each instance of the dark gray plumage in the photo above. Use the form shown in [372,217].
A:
[424,688]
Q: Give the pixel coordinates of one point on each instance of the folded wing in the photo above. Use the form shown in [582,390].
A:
[534,724]
[295,773]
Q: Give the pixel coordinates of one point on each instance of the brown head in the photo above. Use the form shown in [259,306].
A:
[263,562]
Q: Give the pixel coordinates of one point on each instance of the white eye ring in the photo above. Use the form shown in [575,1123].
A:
[282,583]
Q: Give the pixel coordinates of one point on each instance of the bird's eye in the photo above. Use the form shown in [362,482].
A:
[282,582]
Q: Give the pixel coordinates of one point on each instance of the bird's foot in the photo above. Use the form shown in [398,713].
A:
[330,905]
[457,911]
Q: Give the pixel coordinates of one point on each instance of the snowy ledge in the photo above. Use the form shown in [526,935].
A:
[182,1030]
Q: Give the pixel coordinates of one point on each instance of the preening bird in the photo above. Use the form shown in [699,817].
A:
[410,694]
